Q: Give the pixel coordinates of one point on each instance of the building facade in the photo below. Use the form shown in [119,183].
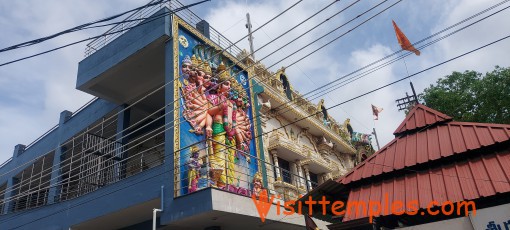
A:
[183,122]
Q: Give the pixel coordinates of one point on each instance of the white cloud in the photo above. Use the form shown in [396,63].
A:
[35,91]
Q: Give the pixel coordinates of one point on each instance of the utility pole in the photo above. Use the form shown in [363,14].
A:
[408,101]
[250,37]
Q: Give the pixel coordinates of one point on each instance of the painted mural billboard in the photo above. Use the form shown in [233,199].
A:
[215,129]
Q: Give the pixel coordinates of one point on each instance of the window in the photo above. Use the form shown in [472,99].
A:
[314,180]
[284,170]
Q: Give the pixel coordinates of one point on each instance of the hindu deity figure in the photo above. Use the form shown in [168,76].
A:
[193,169]
[217,103]
[257,184]
[221,122]
[242,122]
[186,67]
[193,94]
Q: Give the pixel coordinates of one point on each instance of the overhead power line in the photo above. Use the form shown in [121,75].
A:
[108,33]
[147,124]
[80,27]
[155,90]
[346,101]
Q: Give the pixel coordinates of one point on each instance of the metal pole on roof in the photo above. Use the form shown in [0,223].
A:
[250,37]
[414,93]
[376,139]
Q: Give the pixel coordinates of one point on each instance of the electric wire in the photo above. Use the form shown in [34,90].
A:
[336,105]
[155,90]
[184,95]
[259,28]
[78,28]
[102,35]
[327,88]
[471,24]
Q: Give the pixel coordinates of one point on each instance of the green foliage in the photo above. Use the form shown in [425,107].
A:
[470,96]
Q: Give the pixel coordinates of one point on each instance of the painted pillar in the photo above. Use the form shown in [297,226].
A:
[168,165]
[307,176]
[293,173]
[55,172]
[301,179]
[274,153]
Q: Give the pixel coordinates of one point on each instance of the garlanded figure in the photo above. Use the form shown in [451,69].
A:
[193,169]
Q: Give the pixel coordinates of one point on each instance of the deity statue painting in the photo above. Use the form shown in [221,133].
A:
[216,107]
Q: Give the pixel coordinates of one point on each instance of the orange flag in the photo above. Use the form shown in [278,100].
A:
[403,41]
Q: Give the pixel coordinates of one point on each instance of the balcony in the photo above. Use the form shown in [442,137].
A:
[301,109]
[288,191]
[286,149]
[317,163]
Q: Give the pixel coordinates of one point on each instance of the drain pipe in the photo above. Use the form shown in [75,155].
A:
[155,210]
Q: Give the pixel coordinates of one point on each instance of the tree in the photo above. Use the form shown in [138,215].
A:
[470,96]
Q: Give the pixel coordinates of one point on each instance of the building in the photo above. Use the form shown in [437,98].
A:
[445,175]
[145,146]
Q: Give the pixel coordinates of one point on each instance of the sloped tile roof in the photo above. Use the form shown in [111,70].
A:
[423,138]
[427,145]
[464,180]
[419,117]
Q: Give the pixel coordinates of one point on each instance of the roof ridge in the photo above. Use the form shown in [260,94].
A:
[420,116]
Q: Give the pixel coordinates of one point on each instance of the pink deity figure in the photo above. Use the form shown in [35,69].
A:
[194,97]
[243,125]
[218,129]
[186,66]
[193,169]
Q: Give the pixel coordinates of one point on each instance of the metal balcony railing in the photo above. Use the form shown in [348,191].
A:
[186,14]
[119,29]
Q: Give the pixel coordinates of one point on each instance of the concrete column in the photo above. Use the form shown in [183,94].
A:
[274,153]
[323,177]
[122,126]
[55,172]
[18,150]
[293,170]
[307,176]
[8,195]
[301,180]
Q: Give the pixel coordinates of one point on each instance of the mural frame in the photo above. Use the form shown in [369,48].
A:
[176,24]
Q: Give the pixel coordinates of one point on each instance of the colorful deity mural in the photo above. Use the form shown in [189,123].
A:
[216,121]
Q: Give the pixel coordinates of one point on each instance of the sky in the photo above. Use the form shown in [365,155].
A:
[33,92]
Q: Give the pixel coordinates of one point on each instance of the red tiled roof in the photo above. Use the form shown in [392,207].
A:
[464,180]
[443,140]
[421,116]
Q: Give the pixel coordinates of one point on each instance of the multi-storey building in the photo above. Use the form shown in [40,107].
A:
[185,129]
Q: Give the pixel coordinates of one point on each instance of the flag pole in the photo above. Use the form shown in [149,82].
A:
[375,135]
[376,139]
